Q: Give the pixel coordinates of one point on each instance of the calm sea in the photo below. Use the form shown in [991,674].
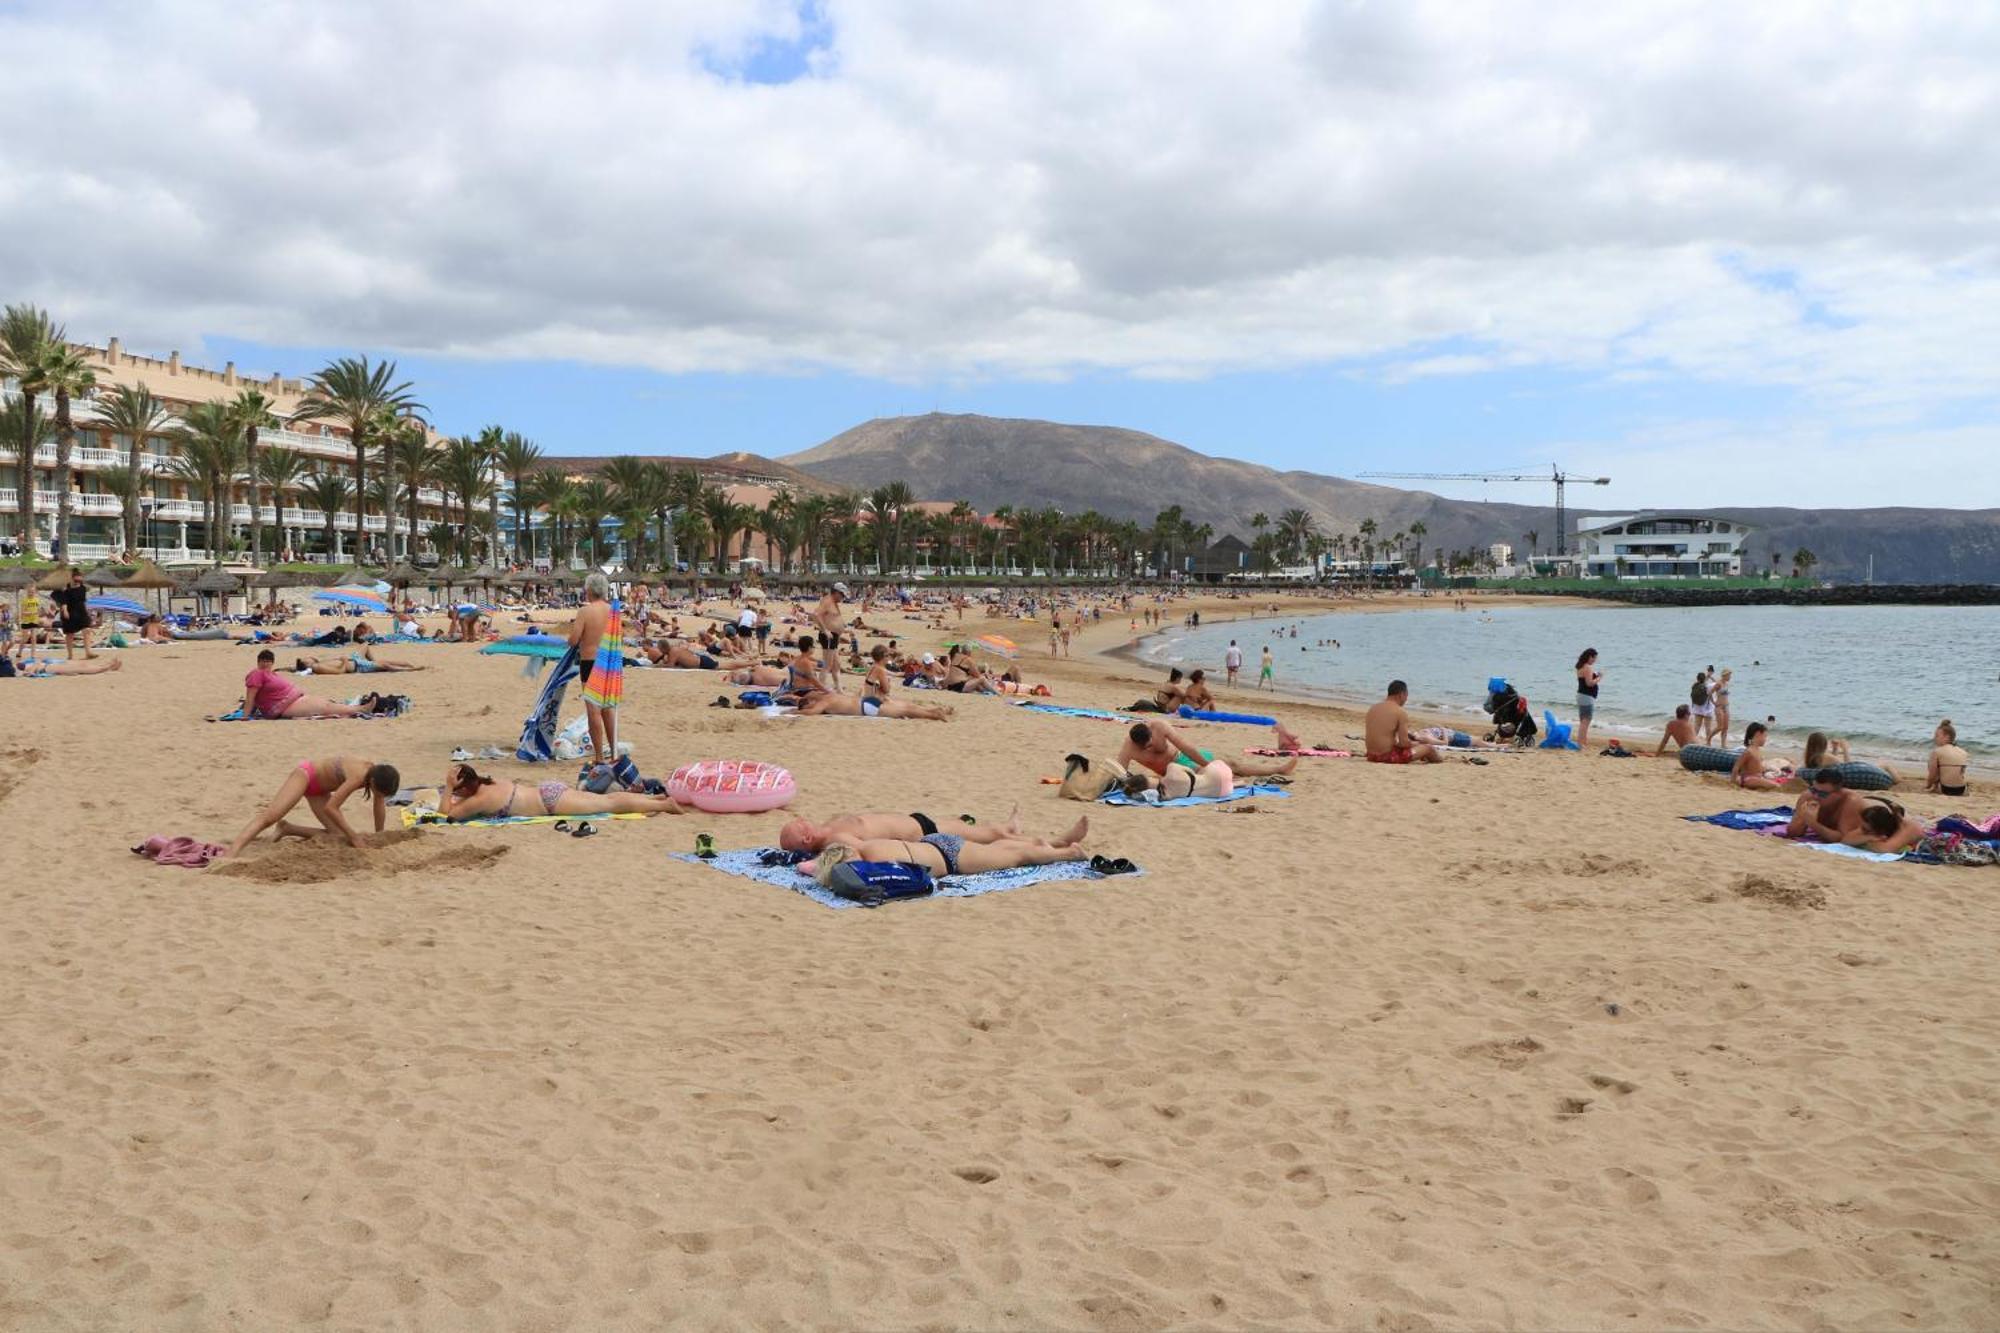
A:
[1880,675]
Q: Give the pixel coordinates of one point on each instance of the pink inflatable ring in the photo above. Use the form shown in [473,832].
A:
[732,786]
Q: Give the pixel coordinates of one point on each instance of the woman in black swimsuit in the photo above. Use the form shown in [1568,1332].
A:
[1587,678]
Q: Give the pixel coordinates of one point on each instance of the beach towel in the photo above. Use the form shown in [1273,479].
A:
[190,853]
[415,816]
[1117,797]
[238,715]
[1269,753]
[538,733]
[1951,841]
[1746,819]
[745,864]
[1096,714]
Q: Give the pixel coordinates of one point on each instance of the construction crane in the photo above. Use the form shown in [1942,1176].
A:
[1556,474]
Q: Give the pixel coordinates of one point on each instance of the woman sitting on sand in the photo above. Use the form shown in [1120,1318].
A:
[267,694]
[1885,827]
[1748,772]
[324,785]
[1945,773]
[950,854]
[469,795]
[1823,750]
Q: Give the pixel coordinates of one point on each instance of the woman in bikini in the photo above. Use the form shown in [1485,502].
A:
[950,854]
[324,785]
[1214,778]
[469,795]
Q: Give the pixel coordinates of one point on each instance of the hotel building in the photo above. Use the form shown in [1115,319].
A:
[1661,544]
[172,518]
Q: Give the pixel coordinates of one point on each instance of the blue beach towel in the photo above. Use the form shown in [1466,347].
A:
[1745,819]
[745,864]
[1116,797]
[538,733]
[1100,714]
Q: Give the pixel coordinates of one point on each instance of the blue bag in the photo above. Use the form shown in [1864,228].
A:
[756,698]
[872,883]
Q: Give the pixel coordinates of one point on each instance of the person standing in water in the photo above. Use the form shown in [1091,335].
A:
[1264,677]
[1588,678]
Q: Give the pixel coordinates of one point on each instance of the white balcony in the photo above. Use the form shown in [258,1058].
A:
[45,502]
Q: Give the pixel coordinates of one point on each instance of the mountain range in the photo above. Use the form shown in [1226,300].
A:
[1127,474]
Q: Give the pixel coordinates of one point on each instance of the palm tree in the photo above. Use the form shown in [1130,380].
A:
[123,482]
[518,457]
[900,500]
[253,414]
[559,495]
[1417,533]
[25,428]
[462,472]
[1531,536]
[594,503]
[65,374]
[723,515]
[414,463]
[134,413]
[1368,531]
[1802,563]
[211,462]
[1294,526]
[26,334]
[351,391]
[280,469]
[327,492]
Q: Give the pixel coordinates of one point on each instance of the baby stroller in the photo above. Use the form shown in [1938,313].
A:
[1512,718]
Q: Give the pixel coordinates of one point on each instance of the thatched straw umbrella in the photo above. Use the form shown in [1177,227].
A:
[216,582]
[148,575]
[104,576]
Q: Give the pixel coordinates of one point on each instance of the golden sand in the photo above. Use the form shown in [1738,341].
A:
[1448,1048]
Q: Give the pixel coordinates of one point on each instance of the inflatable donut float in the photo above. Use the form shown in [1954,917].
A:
[1856,775]
[1708,758]
[732,786]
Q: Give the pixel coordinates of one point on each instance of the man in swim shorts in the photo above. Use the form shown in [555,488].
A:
[585,633]
[853,705]
[802,835]
[1387,730]
[826,622]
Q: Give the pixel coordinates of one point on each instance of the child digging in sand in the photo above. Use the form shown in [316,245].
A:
[324,785]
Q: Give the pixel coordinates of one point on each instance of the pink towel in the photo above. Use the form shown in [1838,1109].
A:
[189,852]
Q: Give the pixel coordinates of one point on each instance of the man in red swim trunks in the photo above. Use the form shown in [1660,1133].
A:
[1388,732]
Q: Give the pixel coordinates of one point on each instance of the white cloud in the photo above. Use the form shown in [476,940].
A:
[1030,189]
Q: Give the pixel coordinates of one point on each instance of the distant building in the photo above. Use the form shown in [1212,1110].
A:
[1501,554]
[1657,544]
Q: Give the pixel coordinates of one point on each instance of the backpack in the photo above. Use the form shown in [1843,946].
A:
[872,883]
[1699,694]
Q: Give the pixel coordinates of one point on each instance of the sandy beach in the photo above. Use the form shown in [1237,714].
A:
[1456,1048]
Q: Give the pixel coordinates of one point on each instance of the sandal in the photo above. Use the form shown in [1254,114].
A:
[585,831]
[561,826]
[1112,865]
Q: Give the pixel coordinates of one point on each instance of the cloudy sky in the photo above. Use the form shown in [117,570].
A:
[1735,252]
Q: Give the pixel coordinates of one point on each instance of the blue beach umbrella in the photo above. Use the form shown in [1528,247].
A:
[124,606]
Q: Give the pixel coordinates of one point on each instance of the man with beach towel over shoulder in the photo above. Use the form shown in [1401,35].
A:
[586,635]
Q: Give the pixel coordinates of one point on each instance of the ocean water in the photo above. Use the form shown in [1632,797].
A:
[1882,676]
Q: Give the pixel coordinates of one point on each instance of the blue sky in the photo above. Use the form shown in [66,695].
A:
[1720,253]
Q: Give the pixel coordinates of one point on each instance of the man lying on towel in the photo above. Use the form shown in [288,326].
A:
[1156,744]
[802,835]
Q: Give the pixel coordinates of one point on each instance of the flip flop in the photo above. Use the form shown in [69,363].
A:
[561,826]
[1277,779]
[585,831]
[1112,865]
[704,846]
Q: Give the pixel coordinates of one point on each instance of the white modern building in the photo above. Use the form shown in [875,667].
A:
[1658,544]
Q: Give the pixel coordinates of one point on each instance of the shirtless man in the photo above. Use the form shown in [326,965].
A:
[802,835]
[802,675]
[758,674]
[1387,729]
[1155,745]
[1828,810]
[585,632]
[1680,730]
[826,620]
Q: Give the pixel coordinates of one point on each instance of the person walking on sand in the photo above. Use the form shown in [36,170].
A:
[1587,680]
[826,619]
[1232,662]
[324,785]
[1703,707]
[1264,678]
[73,603]
[1387,729]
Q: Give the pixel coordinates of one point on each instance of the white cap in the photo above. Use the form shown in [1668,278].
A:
[929,660]
[840,588]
